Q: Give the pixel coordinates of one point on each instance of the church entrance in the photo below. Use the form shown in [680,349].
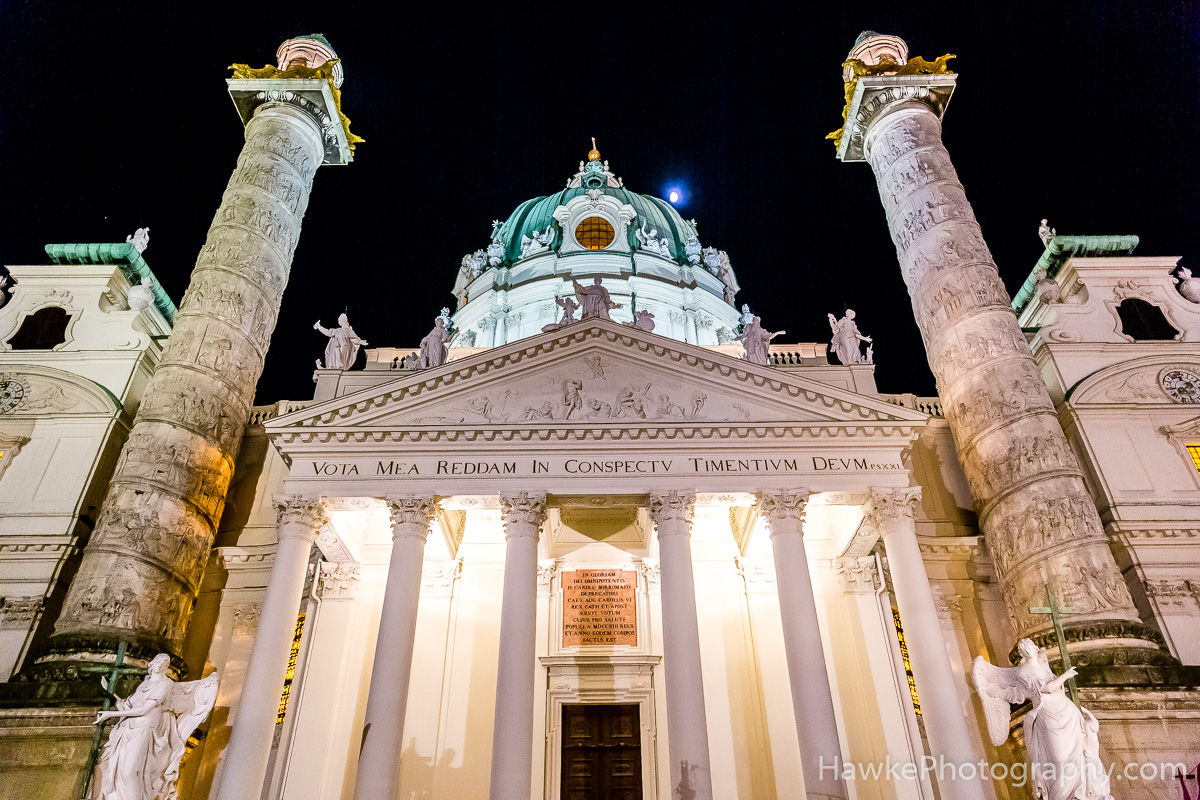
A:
[601,752]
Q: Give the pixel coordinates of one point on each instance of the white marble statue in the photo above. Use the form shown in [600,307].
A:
[1189,287]
[757,341]
[651,242]
[444,316]
[140,295]
[594,300]
[1045,232]
[141,759]
[693,250]
[643,321]
[846,338]
[747,315]
[343,344]
[539,241]
[140,239]
[495,253]
[1061,739]
[433,346]
[466,274]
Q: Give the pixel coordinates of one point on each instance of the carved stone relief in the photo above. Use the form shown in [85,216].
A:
[18,613]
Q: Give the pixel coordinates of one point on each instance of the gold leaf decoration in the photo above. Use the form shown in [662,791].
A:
[300,71]
[915,66]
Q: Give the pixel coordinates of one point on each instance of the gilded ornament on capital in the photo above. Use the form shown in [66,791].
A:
[299,71]
[914,66]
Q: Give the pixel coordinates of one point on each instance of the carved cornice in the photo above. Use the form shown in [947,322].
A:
[888,505]
[523,514]
[410,514]
[298,510]
[783,509]
[672,511]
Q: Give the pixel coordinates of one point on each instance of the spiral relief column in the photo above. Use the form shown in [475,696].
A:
[141,569]
[1039,521]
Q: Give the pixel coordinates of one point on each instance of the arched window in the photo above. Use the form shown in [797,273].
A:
[44,329]
[1144,321]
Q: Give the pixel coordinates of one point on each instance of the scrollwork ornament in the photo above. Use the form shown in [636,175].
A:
[410,514]
[672,507]
[523,513]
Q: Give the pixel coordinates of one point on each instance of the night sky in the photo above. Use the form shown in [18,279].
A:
[115,115]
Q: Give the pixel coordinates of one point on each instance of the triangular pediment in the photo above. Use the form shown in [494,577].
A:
[596,375]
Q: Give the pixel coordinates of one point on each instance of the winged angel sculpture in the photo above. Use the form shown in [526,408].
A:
[141,759]
[1060,738]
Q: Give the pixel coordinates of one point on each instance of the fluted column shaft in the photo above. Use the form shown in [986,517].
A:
[891,512]
[147,553]
[1040,522]
[383,725]
[512,735]
[249,750]
[687,723]
[812,697]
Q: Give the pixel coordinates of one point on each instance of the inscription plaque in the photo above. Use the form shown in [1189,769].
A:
[599,607]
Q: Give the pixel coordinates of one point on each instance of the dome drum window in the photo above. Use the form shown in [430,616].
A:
[595,233]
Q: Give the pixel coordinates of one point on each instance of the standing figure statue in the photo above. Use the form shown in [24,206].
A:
[343,344]
[141,759]
[846,338]
[1046,233]
[693,250]
[433,346]
[569,307]
[757,341]
[594,300]
[1061,739]
[495,252]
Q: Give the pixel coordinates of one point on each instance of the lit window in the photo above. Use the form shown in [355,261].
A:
[595,233]
[1194,452]
[290,674]
[908,673]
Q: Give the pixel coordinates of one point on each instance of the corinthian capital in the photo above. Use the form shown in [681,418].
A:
[410,514]
[668,507]
[781,507]
[523,513]
[891,504]
[299,509]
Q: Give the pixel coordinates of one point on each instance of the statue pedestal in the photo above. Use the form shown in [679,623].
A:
[43,751]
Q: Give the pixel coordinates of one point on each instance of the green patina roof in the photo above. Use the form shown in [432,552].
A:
[1062,248]
[123,255]
[538,213]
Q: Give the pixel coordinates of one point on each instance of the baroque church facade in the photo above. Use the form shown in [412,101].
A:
[611,541]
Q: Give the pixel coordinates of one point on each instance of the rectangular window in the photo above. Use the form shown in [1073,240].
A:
[1194,452]
[290,674]
[908,673]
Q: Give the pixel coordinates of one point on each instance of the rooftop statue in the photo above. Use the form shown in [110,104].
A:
[651,242]
[495,252]
[1061,739]
[693,250]
[141,759]
[747,315]
[757,341]
[539,241]
[433,346]
[643,321]
[140,295]
[343,344]
[594,300]
[1189,287]
[1046,233]
[846,338]
[569,307]
[717,262]
[140,239]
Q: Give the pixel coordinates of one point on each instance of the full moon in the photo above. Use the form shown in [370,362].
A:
[673,197]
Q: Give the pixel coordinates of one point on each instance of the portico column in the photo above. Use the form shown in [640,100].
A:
[891,512]
[512,735]
[383,724]
[812,698]
[687,724]
[300,519]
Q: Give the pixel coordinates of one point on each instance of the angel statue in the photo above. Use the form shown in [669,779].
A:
[1060,738]
[141,759]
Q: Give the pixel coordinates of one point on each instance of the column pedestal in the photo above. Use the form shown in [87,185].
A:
[512,735]
[383,723]
[812,698]
[687,724]
[249,749]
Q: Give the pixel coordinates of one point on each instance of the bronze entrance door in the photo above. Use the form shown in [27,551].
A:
[601,753]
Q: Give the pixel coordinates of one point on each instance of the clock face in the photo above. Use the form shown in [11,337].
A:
[1181,385]
[11,395]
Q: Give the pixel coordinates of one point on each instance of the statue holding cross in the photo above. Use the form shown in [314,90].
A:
[1056,611]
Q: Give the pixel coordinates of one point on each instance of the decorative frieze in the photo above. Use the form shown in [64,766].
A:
[18,613]
[338,580]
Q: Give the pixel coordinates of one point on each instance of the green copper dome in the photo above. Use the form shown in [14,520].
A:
[537,214]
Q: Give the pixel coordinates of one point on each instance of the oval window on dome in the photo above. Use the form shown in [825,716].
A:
[595,233]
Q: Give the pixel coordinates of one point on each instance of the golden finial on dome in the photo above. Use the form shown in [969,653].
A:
[593,154]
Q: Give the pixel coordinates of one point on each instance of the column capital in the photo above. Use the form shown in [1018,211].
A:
[410,514]
[299,514]
[887,504]
[783,509]
[673,507]
[523,513]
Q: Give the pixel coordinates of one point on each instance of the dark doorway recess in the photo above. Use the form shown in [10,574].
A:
[601,753]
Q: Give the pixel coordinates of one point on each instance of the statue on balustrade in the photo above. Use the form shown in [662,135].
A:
[757,341]
[594,300]
[141,759]
[846,338]
[1062,739]
[434,348]
[343,344]
[569,306]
